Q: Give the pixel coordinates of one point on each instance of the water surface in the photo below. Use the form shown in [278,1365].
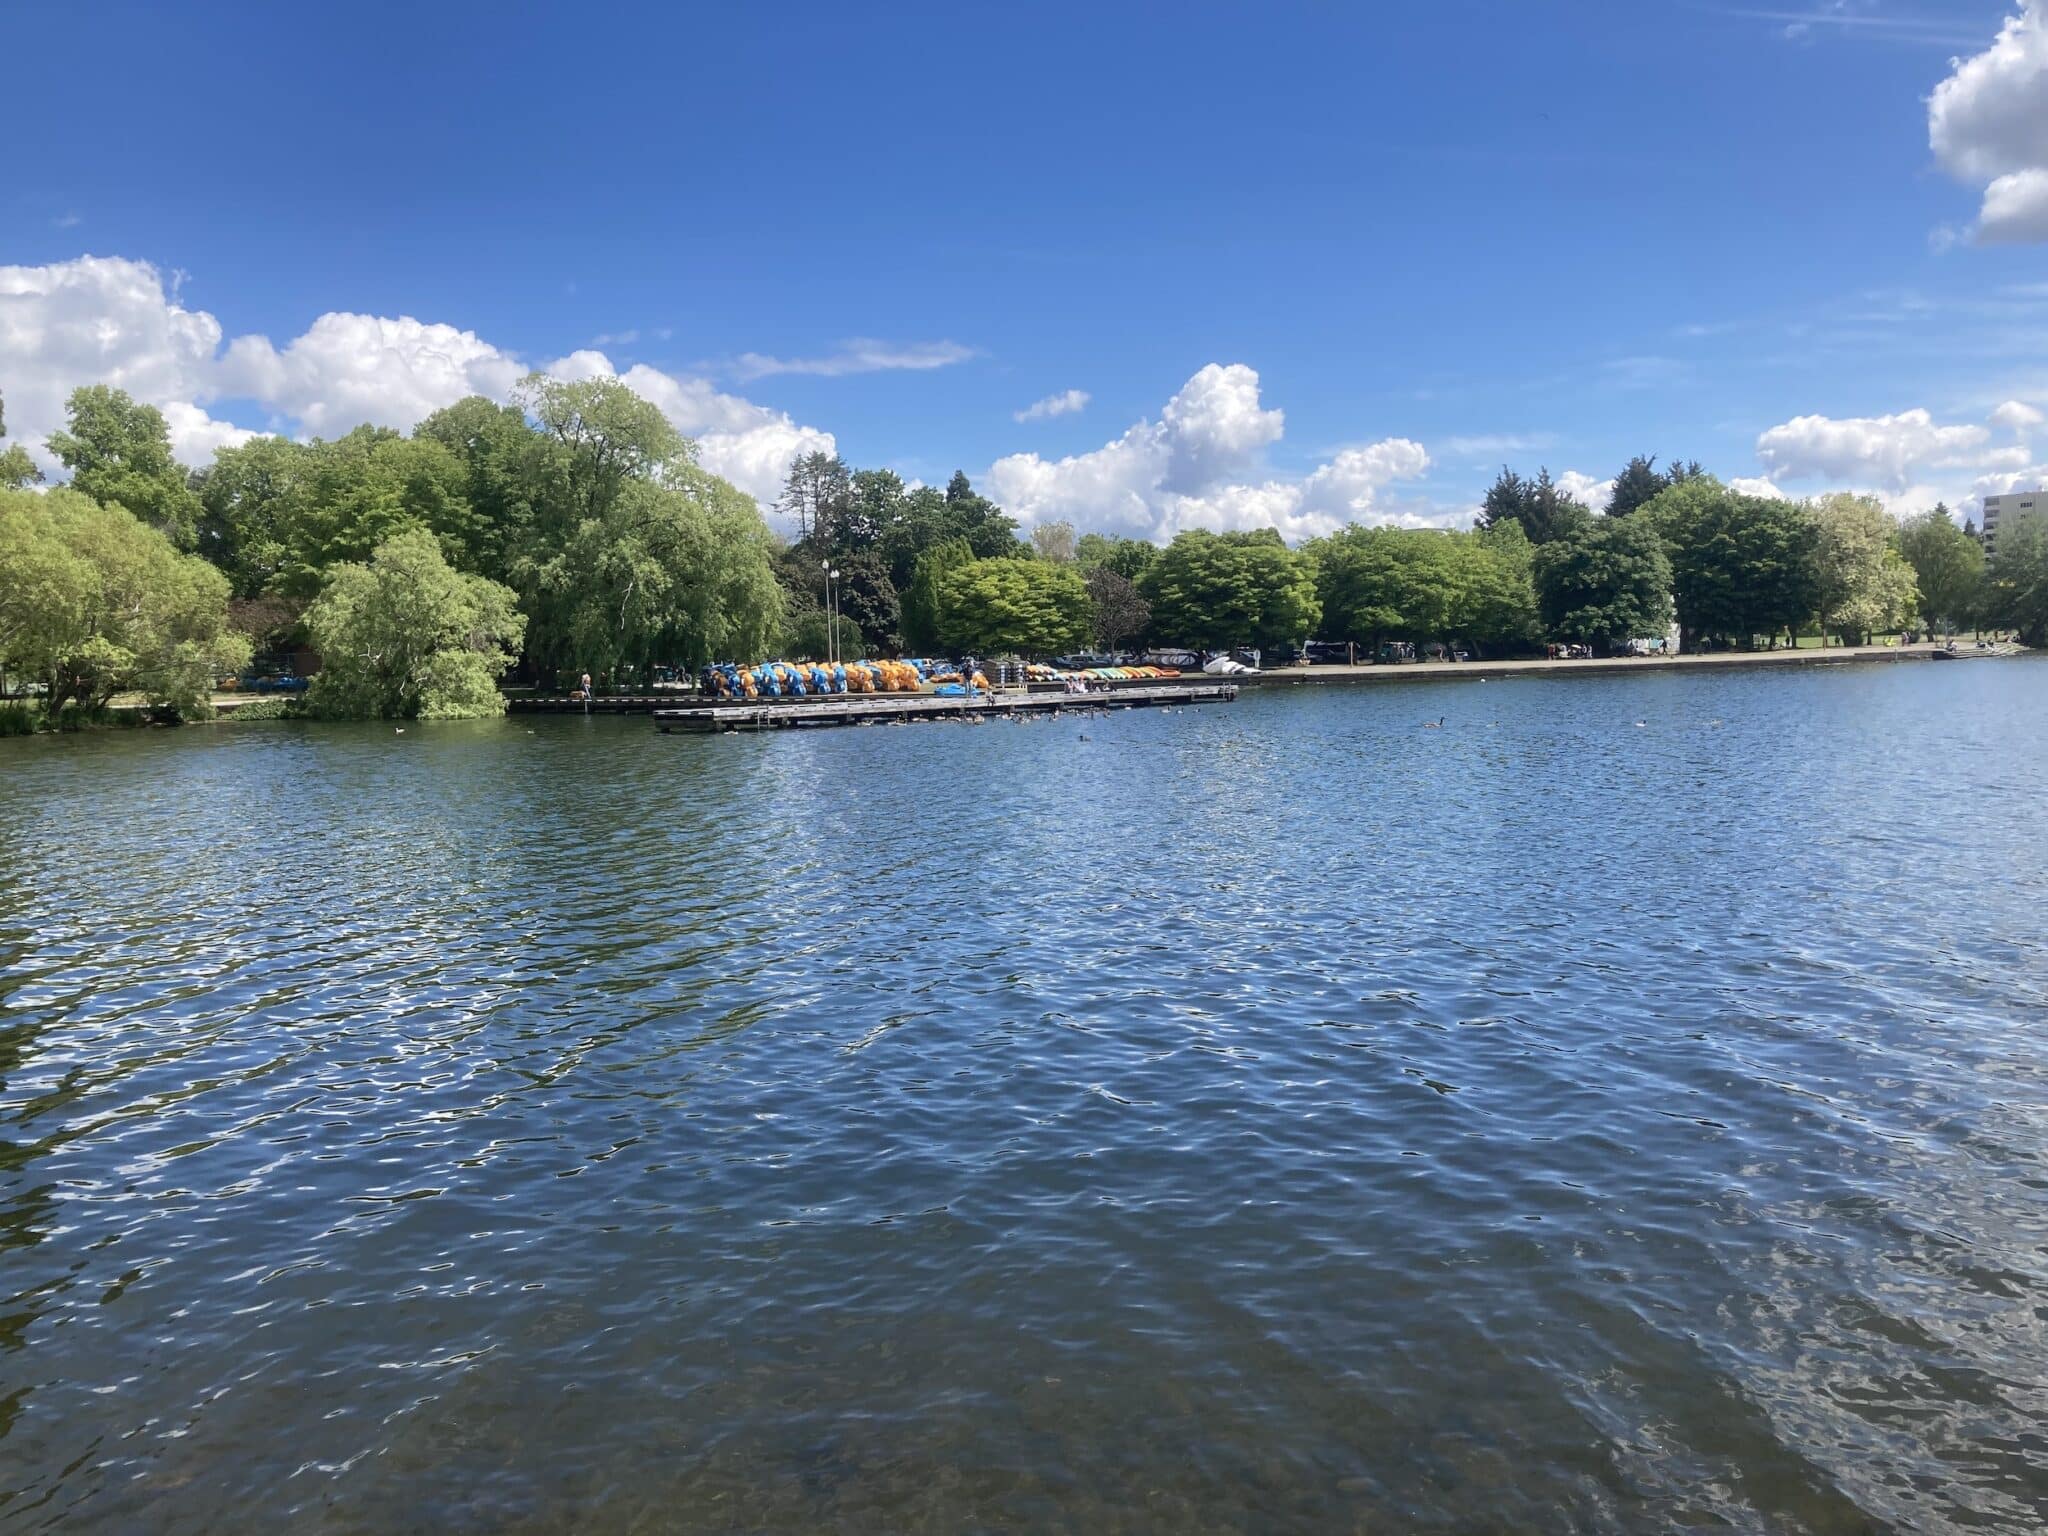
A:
[1624,1109]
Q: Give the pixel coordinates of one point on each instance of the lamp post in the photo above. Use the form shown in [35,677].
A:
[831,614]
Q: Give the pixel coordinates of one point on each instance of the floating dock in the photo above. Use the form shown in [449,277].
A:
[895,708]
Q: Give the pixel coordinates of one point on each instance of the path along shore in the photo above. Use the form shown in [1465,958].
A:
[1439,671]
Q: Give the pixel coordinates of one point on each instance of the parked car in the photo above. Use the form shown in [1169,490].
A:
[1394,651]
[280,682]
[1330,653]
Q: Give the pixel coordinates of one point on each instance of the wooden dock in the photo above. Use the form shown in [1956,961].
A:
[896,708]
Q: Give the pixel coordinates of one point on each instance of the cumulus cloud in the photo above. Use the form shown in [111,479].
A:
[1910,460]
[1756,485]
[2017,416]
[105,320]
[1886,450]
[1191,469]
[1988,123]
[1065,403]
[1586,489]
[859,354]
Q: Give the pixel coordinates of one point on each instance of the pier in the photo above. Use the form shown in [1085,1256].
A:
[897,708]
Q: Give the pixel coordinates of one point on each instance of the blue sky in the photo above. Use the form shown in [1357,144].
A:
[1546,233]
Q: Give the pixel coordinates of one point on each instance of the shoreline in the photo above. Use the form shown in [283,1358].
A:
[1605,666]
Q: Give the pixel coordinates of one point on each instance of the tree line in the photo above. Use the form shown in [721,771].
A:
[574,530]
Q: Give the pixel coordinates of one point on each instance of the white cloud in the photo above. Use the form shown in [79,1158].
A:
[1910,460]
[105,320]
[1065,403]
[1586,489]
[859,354]
[1988,122]
[1189,469]
[2017,416]
[1756,485]
[348,369]
[1885,449]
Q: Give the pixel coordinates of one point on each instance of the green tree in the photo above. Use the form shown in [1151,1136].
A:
[1426,584]
[875,503]
[1948,568]
[812,636]
[1638,483]
[923,610]
[1032,607]
[675,573]
[603,436]
[1121,613]
[1605,583]
[95,603]
[989,531]
[1216,590]
[253,505]
[17,470]
[1544,511]
[505,464]
[119,454]
[1863,584]
[816,495]
[407,636]
[2017,578]
[868,598]
[1741,566]
[1129,558]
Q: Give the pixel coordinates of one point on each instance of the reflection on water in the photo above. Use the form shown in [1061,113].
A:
[1267,1117]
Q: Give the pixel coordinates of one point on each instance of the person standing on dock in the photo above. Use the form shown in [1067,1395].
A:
[585,690]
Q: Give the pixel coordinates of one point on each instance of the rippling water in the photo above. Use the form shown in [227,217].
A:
[1625,1109]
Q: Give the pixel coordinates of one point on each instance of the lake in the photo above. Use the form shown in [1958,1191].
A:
[1623,1109]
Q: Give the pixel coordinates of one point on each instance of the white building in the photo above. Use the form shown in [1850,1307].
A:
[2007,509]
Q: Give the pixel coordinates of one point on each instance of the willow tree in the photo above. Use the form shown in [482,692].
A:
[95,603]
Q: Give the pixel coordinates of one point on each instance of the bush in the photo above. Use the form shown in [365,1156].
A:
[20,719]
[269,709]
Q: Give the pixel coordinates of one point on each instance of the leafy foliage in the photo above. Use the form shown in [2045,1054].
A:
[1948,567]
[119,454]
[1741,566]
[1425,584]
[1544,511]
[94,603]
[2017,578]
[407,635]
[1604,583]
[1032,607]
[1121,612]
[1216,590]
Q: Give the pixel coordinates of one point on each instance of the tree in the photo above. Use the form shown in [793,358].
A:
[1605,583]
[1216,590]
[868,598]
[1741,566]
[1948,567]
[1863,585]
[407,636]
[815,496]
[1054,542]
[603,435]
[675,573]
[119,454]
[253,504]
[922,608]
[1121,614]
[989,531]
[1638,483]
[2017,578]
[1544,511]
[1426,584]
[504,464]
[17,470]
[875,504]
[94,603]
[1129,558]
[1033,607]
[812,636]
